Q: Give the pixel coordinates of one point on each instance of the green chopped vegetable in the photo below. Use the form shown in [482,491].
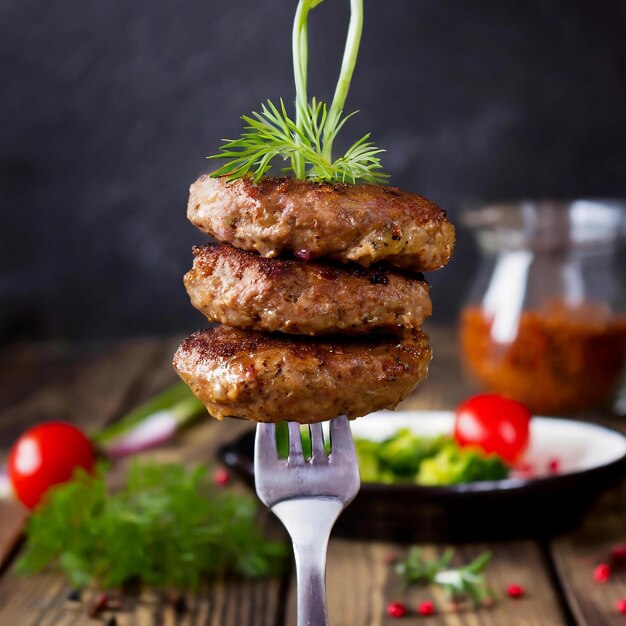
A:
[282,440]
[367,452]
[403,453]
[168,527]
[407,457]
[453,465]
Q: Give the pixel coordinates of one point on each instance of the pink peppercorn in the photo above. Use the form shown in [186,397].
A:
[515,591]
[98,605]
[621,606]
[554,466]
[221,477]
[426,608]
[526,470]
[396,609]
[601,572]
[618,553]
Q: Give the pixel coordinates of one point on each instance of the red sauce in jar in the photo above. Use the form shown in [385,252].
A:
[561,360]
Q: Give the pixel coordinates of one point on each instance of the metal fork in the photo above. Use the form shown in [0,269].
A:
[307,495]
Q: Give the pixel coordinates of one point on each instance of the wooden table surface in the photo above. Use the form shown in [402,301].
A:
[43,382]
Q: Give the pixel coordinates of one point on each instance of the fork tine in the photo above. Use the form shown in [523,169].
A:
[295,443]
[318,451]
[342,445]
[265,450]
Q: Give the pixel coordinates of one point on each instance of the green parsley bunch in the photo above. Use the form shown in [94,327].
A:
[169,527]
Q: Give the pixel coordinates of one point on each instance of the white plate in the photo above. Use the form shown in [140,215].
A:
[590,459]
[576,446]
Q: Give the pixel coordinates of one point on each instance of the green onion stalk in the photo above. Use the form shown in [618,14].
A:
[151,423]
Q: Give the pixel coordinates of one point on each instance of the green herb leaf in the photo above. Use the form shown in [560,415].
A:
[168,527]
[272,134]
[306,143]
[467,582]
[417,570]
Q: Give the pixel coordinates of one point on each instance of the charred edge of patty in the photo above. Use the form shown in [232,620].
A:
[223,342]
[208,254]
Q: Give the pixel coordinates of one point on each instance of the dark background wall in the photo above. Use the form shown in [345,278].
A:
[107,110]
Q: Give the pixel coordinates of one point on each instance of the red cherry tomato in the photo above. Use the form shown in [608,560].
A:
[495,424]
[47,455]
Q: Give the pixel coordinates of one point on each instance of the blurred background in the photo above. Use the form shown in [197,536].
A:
[108,109]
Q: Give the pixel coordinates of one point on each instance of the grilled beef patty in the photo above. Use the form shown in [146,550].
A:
[364,224]
[245,290]
[271,378]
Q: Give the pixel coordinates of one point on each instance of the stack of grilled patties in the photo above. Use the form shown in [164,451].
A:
[319,295]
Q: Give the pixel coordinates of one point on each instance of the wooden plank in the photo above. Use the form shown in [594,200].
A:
[157,374]
[576,554]
[446,385]
[361,584]
[220,603]
[229,602]
[13,516]
[88,392]
[41,600]
[27,366]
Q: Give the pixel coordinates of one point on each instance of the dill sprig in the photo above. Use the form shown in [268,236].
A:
[466,582]
[305,143]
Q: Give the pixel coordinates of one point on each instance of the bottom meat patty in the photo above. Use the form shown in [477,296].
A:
[269,378]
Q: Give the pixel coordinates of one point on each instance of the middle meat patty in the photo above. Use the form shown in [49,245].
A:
[242,289]
[271,378]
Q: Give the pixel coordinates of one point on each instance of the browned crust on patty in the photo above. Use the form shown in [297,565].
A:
[271,378]
[245,290]
[360,223]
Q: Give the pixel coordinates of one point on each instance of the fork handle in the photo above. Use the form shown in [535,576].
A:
[309,528]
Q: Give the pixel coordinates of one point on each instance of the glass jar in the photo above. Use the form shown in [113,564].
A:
[545,322]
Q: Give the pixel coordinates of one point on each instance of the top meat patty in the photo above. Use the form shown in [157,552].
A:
[361,223]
